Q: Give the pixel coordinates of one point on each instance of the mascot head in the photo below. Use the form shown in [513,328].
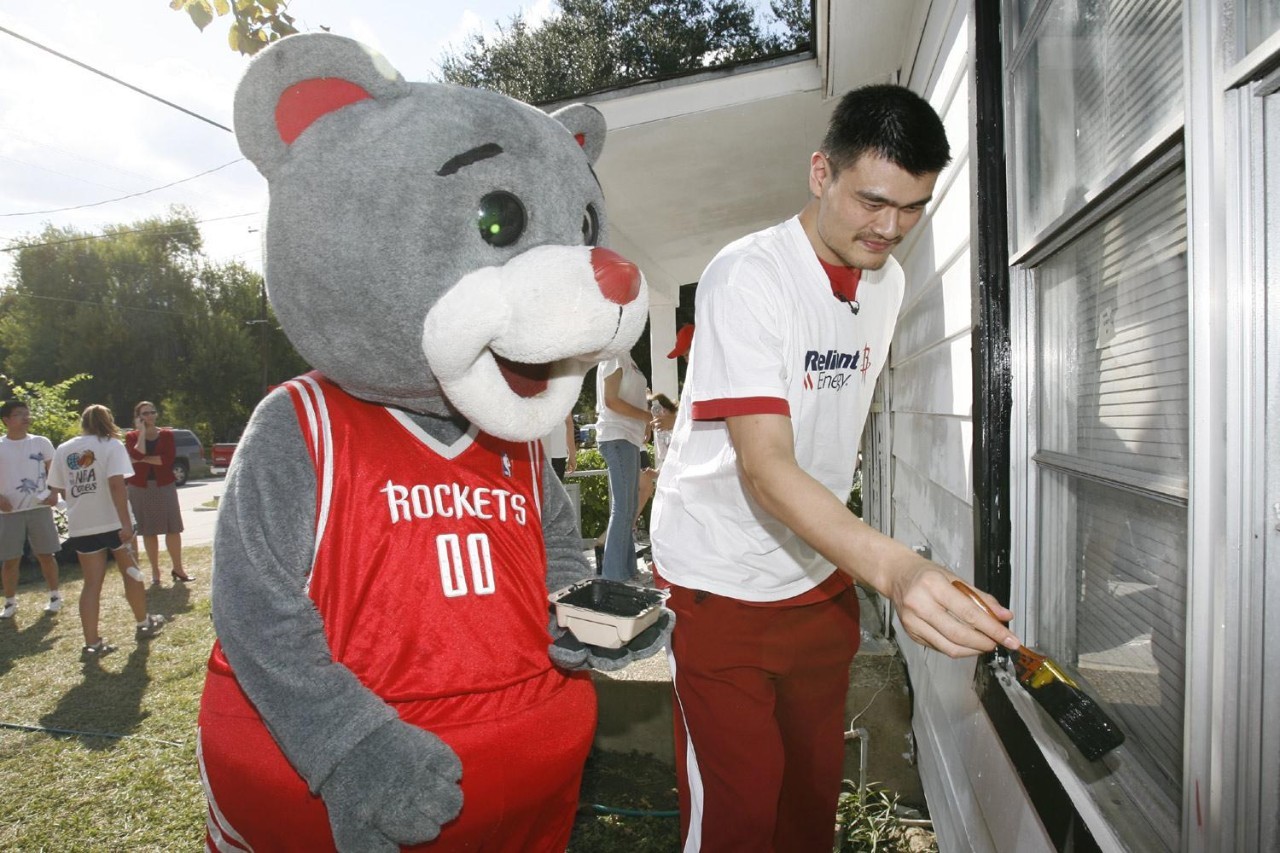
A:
[432,247]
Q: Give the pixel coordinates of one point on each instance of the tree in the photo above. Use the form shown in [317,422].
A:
[594,44]
[55,414]
[147,315]
[254,24]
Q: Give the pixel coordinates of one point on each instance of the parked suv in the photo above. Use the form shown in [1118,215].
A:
[189,459]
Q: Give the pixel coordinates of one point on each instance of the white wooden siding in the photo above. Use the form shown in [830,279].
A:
[973,792]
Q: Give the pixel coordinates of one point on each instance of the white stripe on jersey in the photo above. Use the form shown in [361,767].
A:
[448,451]
[535,462]
[301,390]
[324,443]
[223,836]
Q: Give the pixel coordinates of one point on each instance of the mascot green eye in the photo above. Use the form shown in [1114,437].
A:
[590,226]
[501,218]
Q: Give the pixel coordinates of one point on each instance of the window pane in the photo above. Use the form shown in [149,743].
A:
[1112,316]
[1261,19]
[1112,368]
[1099,80]
[1112,605]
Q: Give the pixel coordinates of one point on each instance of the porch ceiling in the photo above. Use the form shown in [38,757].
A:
[693,163]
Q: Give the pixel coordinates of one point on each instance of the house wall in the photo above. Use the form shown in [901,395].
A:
[973,792]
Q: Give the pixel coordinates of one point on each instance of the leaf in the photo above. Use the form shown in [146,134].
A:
[222,6]
[200,14]
[233,39]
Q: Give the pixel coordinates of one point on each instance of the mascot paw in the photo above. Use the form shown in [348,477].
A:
[568,652]
[397,787]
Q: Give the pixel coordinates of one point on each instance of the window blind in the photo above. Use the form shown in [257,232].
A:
[1093,85]
[1113,387]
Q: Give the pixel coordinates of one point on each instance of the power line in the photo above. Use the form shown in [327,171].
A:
[123,197]
[166,230]
[115,79]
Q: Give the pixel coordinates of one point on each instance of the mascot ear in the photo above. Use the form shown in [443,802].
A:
[587,126]
[296,81]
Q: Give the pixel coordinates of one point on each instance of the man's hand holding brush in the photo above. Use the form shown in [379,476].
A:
[937,614]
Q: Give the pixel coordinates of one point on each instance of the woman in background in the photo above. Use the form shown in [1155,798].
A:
[89,472]
[153,491]
[622,420]
[664,413]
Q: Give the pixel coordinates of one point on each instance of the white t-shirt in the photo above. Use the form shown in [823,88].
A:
[611,425]
[82,468]
[22,470]
[771,339]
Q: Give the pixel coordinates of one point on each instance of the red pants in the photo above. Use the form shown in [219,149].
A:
[759,718]
[521,769]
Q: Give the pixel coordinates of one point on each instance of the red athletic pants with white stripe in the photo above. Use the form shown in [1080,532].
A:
[522,753]
[759,719]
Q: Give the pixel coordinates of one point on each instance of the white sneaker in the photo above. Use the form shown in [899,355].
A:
[54,605]
[9,610]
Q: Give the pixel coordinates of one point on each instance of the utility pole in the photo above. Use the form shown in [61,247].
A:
[261,323]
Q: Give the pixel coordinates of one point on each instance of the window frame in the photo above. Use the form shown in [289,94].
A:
[1089,794]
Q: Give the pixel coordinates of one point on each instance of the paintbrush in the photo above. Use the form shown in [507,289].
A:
[1079,716]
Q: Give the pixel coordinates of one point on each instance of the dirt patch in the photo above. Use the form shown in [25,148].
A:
[633,783]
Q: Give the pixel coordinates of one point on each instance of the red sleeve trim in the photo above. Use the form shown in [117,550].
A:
[729,407]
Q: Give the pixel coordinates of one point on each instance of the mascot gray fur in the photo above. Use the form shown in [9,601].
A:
[385,672]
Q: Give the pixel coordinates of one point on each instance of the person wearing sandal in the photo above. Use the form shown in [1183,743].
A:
[153,492]
[89,471]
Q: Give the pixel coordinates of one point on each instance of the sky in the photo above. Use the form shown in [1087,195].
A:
[70,138]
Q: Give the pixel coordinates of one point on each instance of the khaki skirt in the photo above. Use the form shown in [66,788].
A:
[155,509]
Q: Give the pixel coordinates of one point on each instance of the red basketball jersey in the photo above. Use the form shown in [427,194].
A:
[439,588]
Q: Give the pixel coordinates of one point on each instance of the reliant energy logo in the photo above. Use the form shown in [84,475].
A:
[834,369]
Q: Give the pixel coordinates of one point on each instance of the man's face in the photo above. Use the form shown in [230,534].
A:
[866,209]
[18,420]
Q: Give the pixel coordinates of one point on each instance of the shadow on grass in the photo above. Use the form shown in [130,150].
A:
[18,643]
[170,601]
[105,704]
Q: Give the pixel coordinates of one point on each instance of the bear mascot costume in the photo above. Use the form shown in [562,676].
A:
[386,673]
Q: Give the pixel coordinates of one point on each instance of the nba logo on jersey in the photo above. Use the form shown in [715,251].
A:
[506,465]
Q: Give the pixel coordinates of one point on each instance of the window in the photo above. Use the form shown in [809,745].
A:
[1113,427]
[1098,221]
[1091,85]
[1260,19]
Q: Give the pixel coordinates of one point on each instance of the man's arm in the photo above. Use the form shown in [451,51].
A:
[932,611]
[51,499]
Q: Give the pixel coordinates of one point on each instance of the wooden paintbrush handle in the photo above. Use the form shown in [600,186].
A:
[977,599]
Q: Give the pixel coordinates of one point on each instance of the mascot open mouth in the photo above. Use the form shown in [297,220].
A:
[526,380]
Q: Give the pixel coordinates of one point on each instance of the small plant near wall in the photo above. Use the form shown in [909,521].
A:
[873,823]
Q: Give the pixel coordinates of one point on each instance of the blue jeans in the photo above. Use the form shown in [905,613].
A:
[623,461]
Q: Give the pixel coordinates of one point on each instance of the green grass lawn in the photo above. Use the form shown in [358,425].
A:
[98,791]
[137,789]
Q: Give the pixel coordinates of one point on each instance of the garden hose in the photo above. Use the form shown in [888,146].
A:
[596,808]
[52,731]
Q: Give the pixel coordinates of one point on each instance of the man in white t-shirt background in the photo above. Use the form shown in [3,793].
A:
[26,506]
[750,529]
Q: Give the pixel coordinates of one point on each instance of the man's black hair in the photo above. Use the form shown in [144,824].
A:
[892,122]
[7,407]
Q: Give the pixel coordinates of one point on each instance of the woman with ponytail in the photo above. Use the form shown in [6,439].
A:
[89,471]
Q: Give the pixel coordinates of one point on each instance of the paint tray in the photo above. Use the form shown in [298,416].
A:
[607,613]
